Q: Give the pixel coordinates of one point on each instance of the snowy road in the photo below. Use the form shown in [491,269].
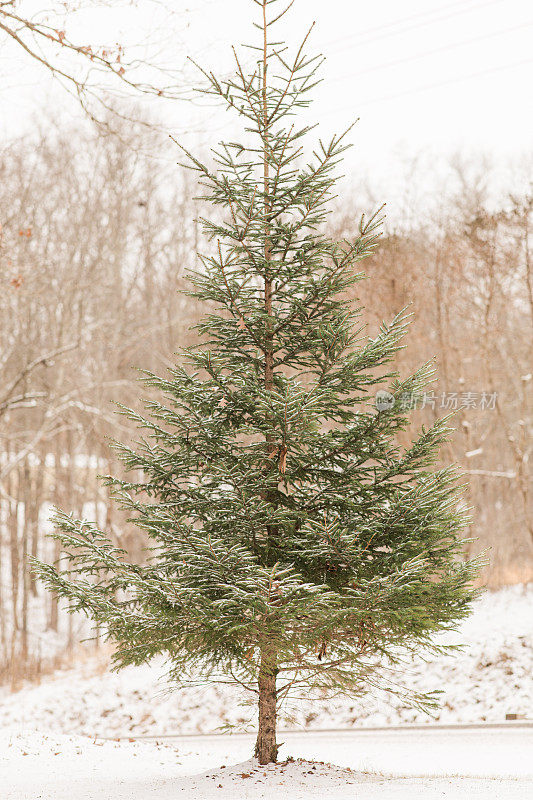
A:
[400,765]
[490,752]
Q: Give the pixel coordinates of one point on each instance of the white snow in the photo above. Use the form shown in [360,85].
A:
[55,767]
[46,752]
[491,677]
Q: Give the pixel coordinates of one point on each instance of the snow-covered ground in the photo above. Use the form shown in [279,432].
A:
[491,677]
[449,765]
[46,752]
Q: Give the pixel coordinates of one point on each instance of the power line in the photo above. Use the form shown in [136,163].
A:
[401,21]
[443,49]
[423,24]
[437,85]
[416,90]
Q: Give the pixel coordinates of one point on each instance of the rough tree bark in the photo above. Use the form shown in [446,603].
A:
[266,749]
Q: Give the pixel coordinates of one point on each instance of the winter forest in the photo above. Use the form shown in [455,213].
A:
[229,360]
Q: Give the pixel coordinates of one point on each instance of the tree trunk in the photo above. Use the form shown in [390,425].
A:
[59,500]
[36,507]
[266,749]
[25,478]
[14,503]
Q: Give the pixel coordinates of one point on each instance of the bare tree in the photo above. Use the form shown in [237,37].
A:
[467,271]
[96,72]
[95,242]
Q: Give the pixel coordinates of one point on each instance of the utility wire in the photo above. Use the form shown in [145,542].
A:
[442,18]
[400,21]
[416,90]
[427,87]
[443,49]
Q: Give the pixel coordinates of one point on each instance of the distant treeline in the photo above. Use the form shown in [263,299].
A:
[95,243]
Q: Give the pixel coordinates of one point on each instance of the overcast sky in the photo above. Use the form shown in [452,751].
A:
[431,75]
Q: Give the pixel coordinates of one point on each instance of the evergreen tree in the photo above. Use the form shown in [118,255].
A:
[295,542]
